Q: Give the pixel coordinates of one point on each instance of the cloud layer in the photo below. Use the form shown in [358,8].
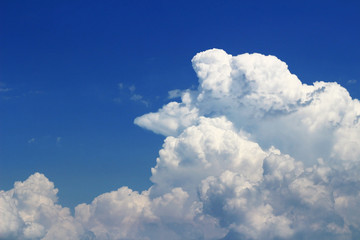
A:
[251,154]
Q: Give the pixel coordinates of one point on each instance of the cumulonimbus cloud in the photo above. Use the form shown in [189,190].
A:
[253,153]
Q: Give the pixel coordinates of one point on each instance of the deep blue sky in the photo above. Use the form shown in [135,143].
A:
[62,110]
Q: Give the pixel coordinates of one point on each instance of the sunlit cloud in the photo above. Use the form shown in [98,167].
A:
[252,153]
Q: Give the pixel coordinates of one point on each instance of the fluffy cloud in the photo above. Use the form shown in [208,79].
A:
[260,96]
[253,153]
[29,211]
[171,119]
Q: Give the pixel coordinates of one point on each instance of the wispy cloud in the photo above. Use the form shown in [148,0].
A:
[117,100]
[138,98]
[352,81]
[176,93]
[35,92]
[132,88]
[5,89]
[131,94]
[32,140]
[9,93]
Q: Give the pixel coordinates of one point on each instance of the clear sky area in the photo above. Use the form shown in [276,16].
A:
[74,75]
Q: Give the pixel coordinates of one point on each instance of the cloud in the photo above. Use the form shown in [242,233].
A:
[171,119]
[32,140]
[139,98]
[5,89]
[132,88]
[131,95]
[174,93]
[117,100]
[259,95]
[252,153]
[352,81]
[59,141]
[29,211]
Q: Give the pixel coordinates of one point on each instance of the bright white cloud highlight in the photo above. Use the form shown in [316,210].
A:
[253,153]
[29,211]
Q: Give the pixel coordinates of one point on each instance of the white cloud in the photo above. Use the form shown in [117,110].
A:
[30,212]
[251,154]
[172,118]
[259,95]
[32,140]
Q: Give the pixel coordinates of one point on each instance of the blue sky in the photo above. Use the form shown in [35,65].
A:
[63,112]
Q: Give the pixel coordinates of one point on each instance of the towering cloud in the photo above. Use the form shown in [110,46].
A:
[251,154]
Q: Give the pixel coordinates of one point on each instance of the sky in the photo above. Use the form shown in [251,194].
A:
[106,99]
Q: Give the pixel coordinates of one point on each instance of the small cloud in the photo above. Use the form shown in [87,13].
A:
[32,140]
[129,95]
[35,92]
[117,100]
[351,81]
[139,98]
[136,97]
[8,93]
[132,88]
[5,89]
[58,141]
[174,93]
